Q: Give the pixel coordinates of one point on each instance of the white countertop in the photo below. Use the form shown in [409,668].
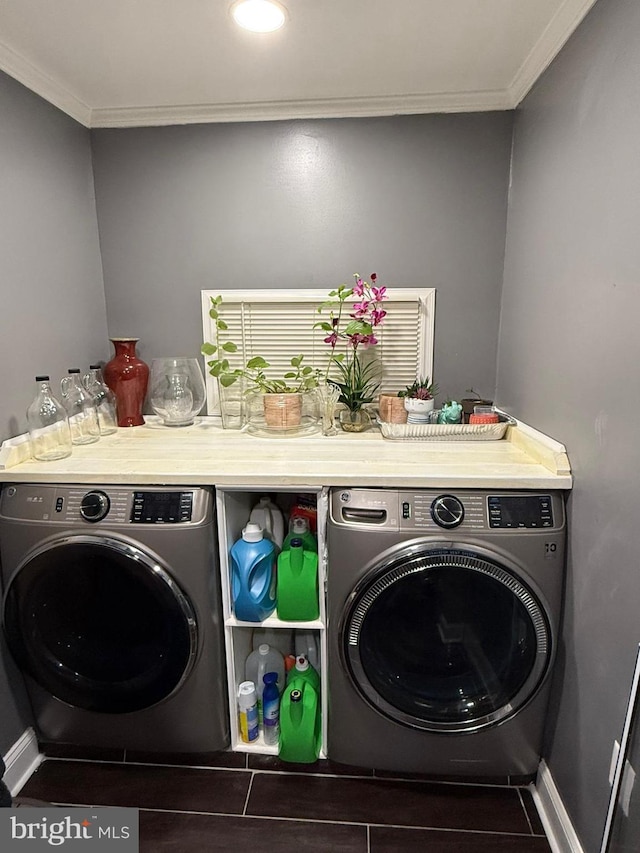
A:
[205,454]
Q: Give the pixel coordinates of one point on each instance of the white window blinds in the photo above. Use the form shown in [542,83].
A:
[278,324]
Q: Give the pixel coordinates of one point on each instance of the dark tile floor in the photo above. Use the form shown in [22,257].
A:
[228,801]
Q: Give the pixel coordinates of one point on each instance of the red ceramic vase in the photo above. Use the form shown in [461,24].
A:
[128,377]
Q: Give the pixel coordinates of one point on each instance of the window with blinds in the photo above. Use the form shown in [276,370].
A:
[278,325]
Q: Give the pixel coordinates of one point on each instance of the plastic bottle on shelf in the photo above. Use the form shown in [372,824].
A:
[306,643]
[297,585]
[253,576]
[271,709]
[303,672]
[299,529]
[248,712]
[278,638]
[270,518]
[262,660]
[48,425]
[300,724]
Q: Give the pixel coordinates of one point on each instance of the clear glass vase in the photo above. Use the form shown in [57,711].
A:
[177,390]
[327,395]
[354,421]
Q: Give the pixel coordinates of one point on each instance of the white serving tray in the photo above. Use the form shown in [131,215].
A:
[443,432]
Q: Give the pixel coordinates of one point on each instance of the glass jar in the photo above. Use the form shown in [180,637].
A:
[81,410]
[48,425]
[103,399]
[177,390]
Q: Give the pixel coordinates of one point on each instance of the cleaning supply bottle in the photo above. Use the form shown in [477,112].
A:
[270,518]
[303,672]
[264,659]
[278,638]
[300,724]
[248,711]
[271,709]
[307,644]
[253,577]
[299,529]
[297,585]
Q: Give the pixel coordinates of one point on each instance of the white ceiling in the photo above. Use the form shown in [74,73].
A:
[115,63]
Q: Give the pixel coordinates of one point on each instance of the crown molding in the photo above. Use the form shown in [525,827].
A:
[557,32]
[312,109]
[16,66]
[555,35]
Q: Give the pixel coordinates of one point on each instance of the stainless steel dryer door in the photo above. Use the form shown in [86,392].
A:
[446,640]
[100,624]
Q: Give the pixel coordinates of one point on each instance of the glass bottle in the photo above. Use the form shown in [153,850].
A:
[83,417]
[103,399]
[48,425]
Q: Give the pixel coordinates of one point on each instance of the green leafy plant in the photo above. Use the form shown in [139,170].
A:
[359,378]
[420,389]
[300,378]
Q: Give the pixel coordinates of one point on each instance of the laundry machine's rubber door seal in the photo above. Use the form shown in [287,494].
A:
[100,624]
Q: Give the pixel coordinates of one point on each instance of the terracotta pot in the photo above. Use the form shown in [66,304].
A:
[392,410]
[128,377]
[282,411]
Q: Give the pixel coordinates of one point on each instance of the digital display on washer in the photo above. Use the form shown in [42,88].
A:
[520,511]
[161,507]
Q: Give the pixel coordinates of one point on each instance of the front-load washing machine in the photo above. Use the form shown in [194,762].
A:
[112,611]
[443,617]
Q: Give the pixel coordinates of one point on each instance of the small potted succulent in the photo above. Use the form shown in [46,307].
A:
[419,399]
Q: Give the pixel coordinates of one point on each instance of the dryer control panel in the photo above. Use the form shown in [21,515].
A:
[433,511]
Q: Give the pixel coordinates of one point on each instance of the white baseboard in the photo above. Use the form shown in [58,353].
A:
[554,816]
[21,761]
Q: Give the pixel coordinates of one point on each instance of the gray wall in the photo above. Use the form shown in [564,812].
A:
[568,363]
[419,200]
[53,311]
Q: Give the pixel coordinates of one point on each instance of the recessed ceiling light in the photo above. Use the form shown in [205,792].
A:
[259,16]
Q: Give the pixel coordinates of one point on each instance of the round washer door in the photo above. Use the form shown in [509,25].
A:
[446,640]
[100,624]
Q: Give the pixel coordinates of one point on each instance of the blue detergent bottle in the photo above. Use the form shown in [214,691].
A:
[253,575]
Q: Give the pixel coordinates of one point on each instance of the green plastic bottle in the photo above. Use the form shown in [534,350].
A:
[299,529]
[300,728]
[297,584]
[303,672]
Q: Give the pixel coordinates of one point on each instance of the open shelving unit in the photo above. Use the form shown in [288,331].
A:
[234,507]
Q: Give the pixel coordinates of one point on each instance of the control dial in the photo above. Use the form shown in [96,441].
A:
[94,506]
[447,511]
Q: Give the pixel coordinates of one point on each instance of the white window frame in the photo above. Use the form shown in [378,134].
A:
[238,305]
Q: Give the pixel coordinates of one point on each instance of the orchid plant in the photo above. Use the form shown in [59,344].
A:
[354,331]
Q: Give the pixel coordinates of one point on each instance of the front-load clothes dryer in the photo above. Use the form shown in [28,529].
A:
[112,611]
[443,618]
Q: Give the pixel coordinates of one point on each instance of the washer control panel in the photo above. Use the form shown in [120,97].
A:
[114,506]
[161,507]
